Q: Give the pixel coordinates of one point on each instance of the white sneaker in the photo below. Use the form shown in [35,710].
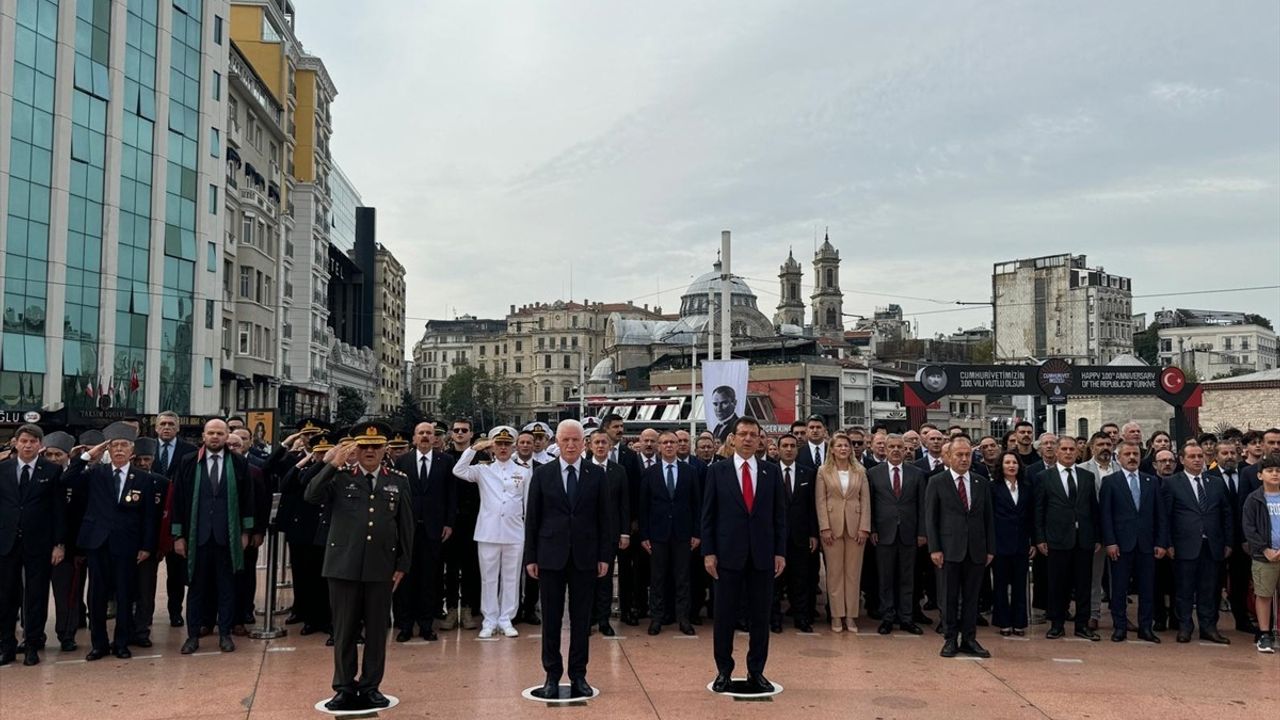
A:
[510,631]
[486,633]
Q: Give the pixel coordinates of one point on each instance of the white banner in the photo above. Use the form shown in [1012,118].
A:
[724,394]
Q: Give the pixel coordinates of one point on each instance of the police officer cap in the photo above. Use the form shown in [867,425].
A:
[311,425]
[59,441]
[399,440]
[503,434]
[371,432]
[91,437]
[320,442]
[119,431]
[145,447]
[538,429]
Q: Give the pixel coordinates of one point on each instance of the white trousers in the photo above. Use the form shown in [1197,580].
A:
[500,565]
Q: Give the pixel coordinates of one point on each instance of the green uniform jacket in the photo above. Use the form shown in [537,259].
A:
[370,536]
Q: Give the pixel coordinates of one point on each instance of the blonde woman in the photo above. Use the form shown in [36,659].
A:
[843,500]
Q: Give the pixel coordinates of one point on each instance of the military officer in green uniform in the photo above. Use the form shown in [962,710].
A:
[367,554]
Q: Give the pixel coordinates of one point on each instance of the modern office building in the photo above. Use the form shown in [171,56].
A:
[112,135]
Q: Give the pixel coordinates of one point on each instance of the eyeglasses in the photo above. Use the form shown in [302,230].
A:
[462,430]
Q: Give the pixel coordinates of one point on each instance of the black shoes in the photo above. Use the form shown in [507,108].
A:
[176,621]
[430,635]
[190,646]
[982,621]
[775,628]
[950,649]
[1149,636]
[550,690]
[1054,633]
[919,618]
[123,653]
[32,657]
[630,619]
[721,683]
[1213,636]
[1184,636]
[1087,634]
[307,629]
[375,699]
[756,683]
[578,688]
[804,627]
[687,629]
[655,627]
[225,644]
[606,629]
[404,636]
[912,628]
[531,617]
[345,701]
[96,654]
[6,657]
[69,645]
[885,628]
[142,642]
[972,647]
[1118,636]
[293,619]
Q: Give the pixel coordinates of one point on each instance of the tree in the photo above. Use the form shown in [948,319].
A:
[472,393]
[409,414]
[1255,319]
[1146,346]
[351,407]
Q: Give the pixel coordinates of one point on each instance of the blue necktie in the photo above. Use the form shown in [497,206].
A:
[571,486]
[671,482]
[1133,488]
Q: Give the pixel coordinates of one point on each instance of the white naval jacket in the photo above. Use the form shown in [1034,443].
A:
[504,491]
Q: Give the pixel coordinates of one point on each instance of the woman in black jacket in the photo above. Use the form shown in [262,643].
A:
[1013,505]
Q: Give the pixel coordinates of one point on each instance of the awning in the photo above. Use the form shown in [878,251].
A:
[233,156]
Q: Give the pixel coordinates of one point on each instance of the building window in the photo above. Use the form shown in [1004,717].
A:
[568,362]
[519,366]
[217,86]
[213,198]
[246,232]
[211,258]
[245,281]
[546,362]
[519,345]
[243,331]
[546,393]
[208,372]
[217,29]
[208,314]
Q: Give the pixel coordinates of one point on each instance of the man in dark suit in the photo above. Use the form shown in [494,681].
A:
[170,451]
[744,547]
[434,506]
[724,406]
[802,539]
[669,527]
[299,520]
[618,501]
[1196,529]
[633,563]
[69,576]
[32,541]
[959,526]
[813,447]
[213,516]
[1067,534]
[121,520]
[567,541]
[370,550]
[897,530]
[1130,513]
[1240,564]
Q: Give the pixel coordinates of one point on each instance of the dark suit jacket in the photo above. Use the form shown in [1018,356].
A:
[1131,528]
[805,457]
[1237,501]
[959,534]
[1014,521]
[39,509]
[926,467]
[181,449]
[126,525]
[298,519]
[1062,524]
[737,537]
[664,518]
[183,478]
[433,499]
[897,520]
[1184,524]
[556,531]
[617,500]
[370,538]
[802,511]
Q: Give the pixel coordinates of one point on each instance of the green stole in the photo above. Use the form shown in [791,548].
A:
[233,513]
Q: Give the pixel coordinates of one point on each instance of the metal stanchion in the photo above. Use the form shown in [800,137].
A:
[286,572]
[268,629]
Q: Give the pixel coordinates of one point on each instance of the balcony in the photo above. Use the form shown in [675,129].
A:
[257,198]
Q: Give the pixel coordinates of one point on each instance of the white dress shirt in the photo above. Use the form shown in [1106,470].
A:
[968,484]
[755,475]
[1062,477]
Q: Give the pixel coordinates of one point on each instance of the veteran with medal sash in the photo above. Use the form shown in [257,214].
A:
[368,552]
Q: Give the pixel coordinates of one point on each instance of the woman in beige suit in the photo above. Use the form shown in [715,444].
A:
[844,519]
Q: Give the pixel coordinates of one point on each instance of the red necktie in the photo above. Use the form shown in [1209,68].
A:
[897,483]
[748,493]
[964,494]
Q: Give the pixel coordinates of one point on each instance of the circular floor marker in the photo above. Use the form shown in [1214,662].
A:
[344,713]
[564,695]
[738,689]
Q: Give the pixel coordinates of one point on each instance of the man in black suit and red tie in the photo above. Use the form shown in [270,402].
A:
[744,547]
[435,508]
[897,530]
[960,527]
[567,542]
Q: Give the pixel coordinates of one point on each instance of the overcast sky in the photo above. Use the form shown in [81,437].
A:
[501,141]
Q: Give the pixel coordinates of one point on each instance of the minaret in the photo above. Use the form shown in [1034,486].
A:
[790,307]
[827,300]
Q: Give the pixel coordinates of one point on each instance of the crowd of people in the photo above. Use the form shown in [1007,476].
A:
[448,531]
